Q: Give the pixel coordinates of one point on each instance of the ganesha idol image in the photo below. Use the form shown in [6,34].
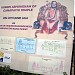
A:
[51,17]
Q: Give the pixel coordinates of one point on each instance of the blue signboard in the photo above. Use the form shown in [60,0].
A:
[27,45]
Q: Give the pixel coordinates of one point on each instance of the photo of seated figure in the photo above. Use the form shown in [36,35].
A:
[52,17]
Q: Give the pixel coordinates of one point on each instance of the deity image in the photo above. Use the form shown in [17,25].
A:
[51,17]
